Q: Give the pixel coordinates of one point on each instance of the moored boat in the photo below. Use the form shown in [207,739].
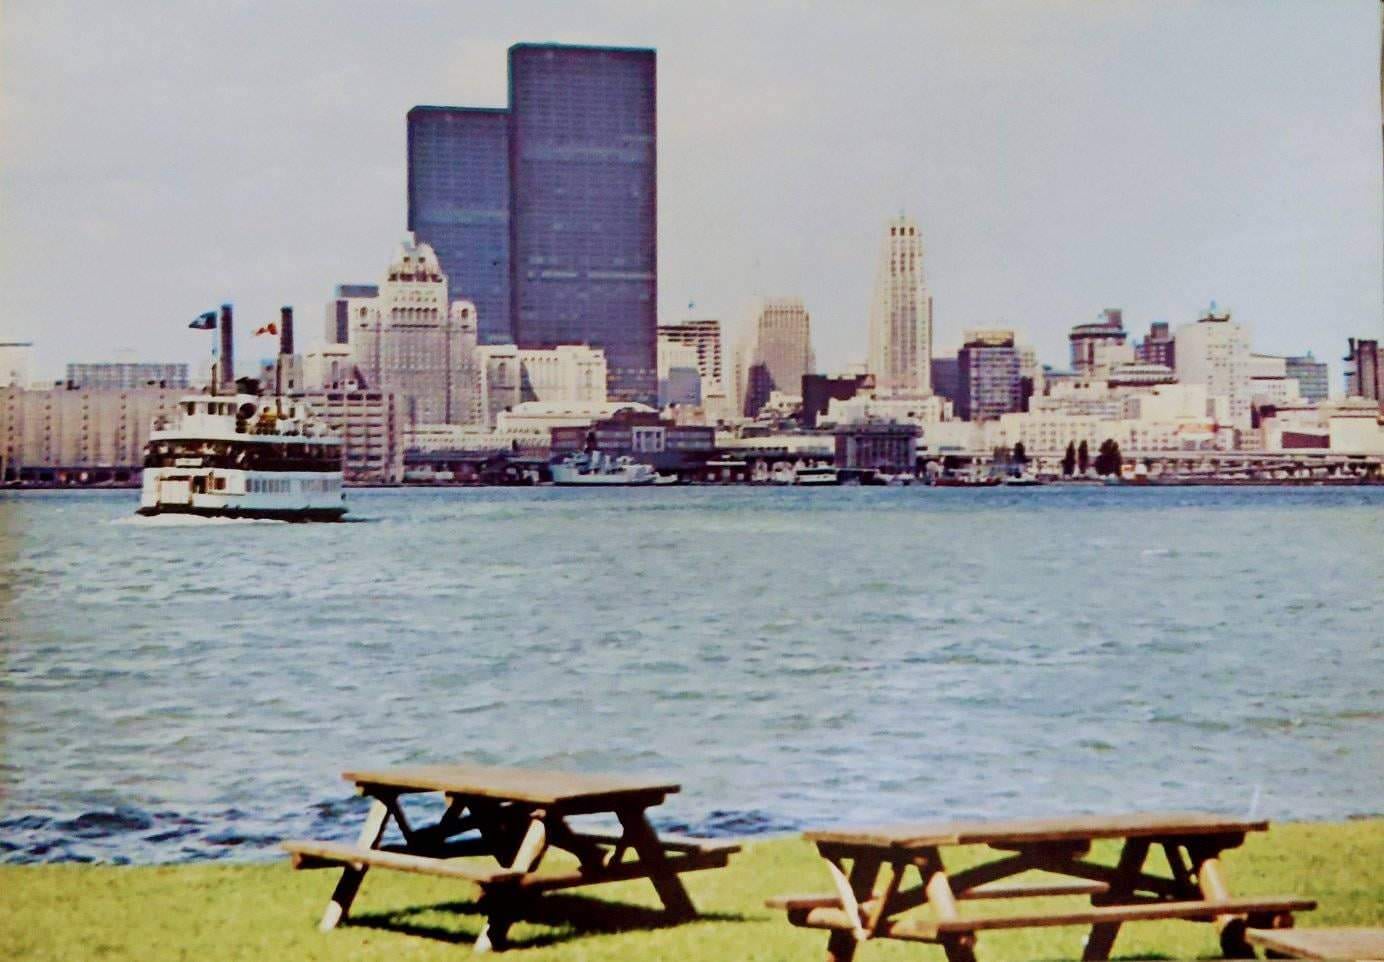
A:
[595,468]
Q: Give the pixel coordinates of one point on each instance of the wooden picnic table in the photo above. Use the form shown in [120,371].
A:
[514,816]
[1057,848]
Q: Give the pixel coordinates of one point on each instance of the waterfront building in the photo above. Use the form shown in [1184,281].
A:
[885,447]
[1099,347]
[415,343]
[1215,351]
[351,302]
[124,376]
[819,390]
[79,436]
[499,380]
[868,409]
[583,206]
[679,377]
[776,351]
[641,434]
[1311,376]
[901,314]
[989,383]
[459,204]
[1364,377]
[1140,375]
[331,366]
[508,375]
[1269,381]
[1158,347]
[371,426]
[704,337]
[14,363]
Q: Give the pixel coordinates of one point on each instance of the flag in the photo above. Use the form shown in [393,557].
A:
[269,328]
[204,322]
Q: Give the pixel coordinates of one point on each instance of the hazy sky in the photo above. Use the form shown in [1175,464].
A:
[1060,157]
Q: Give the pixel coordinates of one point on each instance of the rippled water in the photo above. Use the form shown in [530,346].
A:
[181,690]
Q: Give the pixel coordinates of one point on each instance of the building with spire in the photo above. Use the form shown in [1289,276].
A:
[901,315]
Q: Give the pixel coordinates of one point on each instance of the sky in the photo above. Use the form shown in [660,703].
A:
[1059,157]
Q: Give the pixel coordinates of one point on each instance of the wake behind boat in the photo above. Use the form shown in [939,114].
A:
[243,456]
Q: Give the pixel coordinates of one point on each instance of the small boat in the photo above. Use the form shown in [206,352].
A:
[595,468]
[816,476]
[243,456]
[965,481]
[1022,481]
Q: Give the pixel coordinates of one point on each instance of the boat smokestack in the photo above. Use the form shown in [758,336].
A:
[227,357]
[285,330]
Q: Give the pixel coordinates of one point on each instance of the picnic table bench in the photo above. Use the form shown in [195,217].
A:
[1196,889]
[514,816]
[1324,943]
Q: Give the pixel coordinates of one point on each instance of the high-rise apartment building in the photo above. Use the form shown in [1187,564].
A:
[583,229]
[413,342]
[1099,347]
[458,203]
[901,315]
[1158,348]
[545,214]
[1214,351]
[989,382]
[124,376]
[775,353]
[704,337]
[14,363]
[1311,376]
[1364,378]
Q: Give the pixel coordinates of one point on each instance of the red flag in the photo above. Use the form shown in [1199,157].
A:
[269,328]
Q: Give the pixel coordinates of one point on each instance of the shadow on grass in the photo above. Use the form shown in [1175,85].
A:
[573,915]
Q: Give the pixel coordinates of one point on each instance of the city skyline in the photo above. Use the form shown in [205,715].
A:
[1249,172]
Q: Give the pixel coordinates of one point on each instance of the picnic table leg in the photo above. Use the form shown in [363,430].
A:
[1211,879]
[501,903]
[352,875]
[859,885]
[644,840]
[1102,937]
[959,947]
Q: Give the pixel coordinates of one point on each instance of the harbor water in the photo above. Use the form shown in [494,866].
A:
[175,689]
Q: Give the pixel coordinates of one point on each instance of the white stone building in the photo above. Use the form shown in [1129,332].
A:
[508,376]
[1214,351]
[15,360]
[901,315]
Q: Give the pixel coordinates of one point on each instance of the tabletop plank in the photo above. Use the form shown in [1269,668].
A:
[1036,830]
[1330,943]
[532,786]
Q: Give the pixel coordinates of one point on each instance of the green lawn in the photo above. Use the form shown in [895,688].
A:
[267,911]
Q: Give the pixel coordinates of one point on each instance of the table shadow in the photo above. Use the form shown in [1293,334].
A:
[583,916]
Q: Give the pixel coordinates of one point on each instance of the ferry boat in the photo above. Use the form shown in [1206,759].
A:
[820,475]
[596,468]
[243,456]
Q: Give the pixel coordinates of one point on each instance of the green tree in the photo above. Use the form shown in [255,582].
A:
[1083,457]
[1069,460]
[1108,459]
[1020,455]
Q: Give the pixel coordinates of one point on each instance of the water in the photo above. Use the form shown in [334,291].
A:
[182,690]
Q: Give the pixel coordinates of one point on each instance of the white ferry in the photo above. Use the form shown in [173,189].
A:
[595,468]
[243,456]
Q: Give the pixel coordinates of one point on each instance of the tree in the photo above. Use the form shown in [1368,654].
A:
[1020,455]
[1109,459]
[1069,460]
[1083,458]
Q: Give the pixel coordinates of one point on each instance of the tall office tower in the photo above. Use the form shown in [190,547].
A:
[704,337]
[123,376]
[988,377]
[351,302]
[679,375]
[458,204]
[1100,347]
[1215,351]
[583,205]
[901,315]
[1364,378]
[415,343]
[1158,348]
[1311,376]
[776,351]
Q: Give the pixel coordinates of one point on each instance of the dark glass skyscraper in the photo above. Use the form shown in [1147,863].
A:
[583,174]
[458,202]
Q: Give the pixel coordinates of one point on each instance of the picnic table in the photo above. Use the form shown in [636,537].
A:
[1057,850]
[514,816]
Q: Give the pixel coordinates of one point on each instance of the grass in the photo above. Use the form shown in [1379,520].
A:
[267,911]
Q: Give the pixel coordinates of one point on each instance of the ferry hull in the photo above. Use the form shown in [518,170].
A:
[258,514]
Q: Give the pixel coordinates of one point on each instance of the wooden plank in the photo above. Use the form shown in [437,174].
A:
[1032,830]
[351,855]
[531,786]
[1017,890]
[623,871]
[352,875]
[1325,943]
[670,842]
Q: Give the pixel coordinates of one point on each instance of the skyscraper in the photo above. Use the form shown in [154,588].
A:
[704,337]
[583,206]
[901,315]
[458,204]
[1098,348]
[989,382]
[1215,351]
[776,352]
